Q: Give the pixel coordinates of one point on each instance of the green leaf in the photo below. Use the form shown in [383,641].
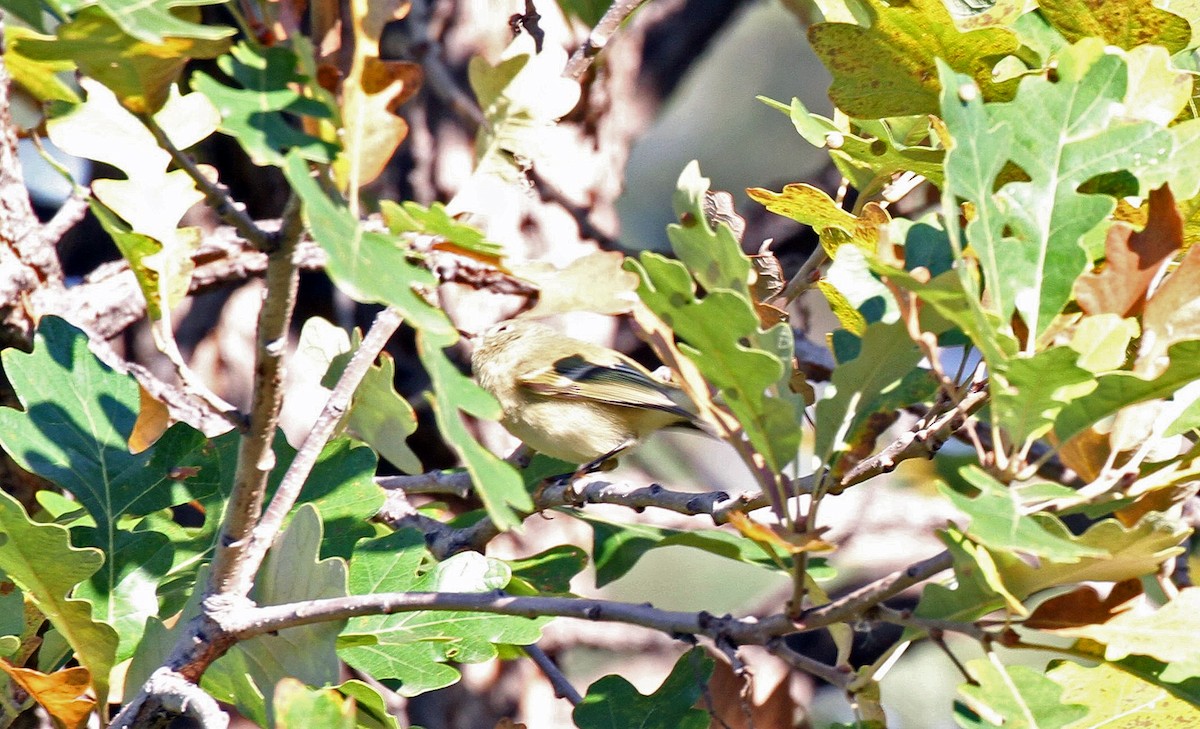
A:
[1116,699]
[588,12]
[617,547]
[713,257]
[998,522]
[1119,389]
[369,267]
[342,489]
[139,72]
[41,79]
[1061,134]
[871,155]
[297,706]
[888,69]
[292,572]
[261,115]
[721,332]
[1170,634]
[613,703]
[1126,24]
[412,217]
[74,431]
[863,386]
[371,708]
[153,21]
[1028,393]
[551,570]
[414,647]
[1013,697]
[40,560]
[496,482]
[378,414]
[1130,552]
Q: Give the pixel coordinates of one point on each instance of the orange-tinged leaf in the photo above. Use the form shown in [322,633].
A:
[373,129]
[1083,606]
[1132,260]
[152,421]
[58,693]
[812,207]
[1086,453]
[776,537]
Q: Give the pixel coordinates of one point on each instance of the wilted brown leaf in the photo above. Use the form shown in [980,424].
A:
[1083,606]
[152,422]
[58,693]
[1132,260]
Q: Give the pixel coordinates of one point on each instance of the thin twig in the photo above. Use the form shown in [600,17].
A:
[596,41]
[795,659]
[853,604]
[386,323]
[925,440]
[562,687]
[73,210]
[216,194]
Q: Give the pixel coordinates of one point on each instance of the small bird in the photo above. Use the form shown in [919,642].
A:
[573,400]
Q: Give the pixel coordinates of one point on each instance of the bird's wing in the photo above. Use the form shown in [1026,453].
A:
[618,383]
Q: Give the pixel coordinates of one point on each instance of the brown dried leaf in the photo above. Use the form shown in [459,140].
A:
[152,421]
[58,693]
[1083,606]
[1086,453]
[1132,260]
[775,536]
[373,130]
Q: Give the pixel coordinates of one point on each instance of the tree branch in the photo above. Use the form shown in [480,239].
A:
[256,458]
[386,323]
[583,56]
[216,194]
[562,687]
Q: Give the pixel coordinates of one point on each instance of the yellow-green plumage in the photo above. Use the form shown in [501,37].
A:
[571,399]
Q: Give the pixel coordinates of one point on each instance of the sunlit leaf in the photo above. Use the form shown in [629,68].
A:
[258,115]
[415,647]
[1117,699]
[1127,24]
[369,267]
[292,572]
[40,560]
[139,72]
[1013,697]
[888,69]
[1027,234]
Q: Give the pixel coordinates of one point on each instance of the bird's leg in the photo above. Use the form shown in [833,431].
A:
[605,462]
